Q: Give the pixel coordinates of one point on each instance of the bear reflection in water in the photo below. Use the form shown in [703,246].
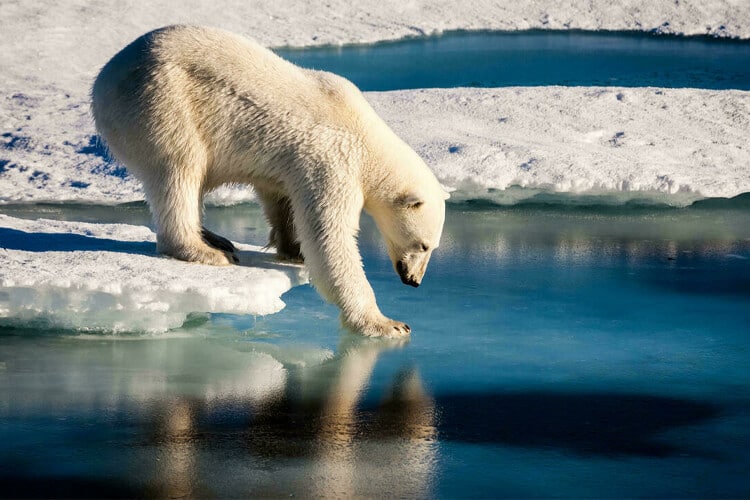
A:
[316,423]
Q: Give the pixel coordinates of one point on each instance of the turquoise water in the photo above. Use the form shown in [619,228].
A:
[531,58]
[567,352]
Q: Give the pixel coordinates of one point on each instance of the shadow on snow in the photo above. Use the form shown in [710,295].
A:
[14,239]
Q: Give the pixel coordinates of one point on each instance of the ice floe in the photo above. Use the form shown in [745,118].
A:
[680,145]
[108,277]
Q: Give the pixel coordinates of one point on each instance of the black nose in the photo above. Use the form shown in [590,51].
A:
[405,278]
[409,281]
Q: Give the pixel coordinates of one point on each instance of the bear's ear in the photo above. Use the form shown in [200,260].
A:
[409,200]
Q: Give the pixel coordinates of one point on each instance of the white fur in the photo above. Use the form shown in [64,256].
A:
[188,109]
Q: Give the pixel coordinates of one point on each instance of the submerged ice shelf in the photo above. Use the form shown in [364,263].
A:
[108,277]
[604,350]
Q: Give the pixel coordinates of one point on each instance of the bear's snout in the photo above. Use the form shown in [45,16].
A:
[403,273]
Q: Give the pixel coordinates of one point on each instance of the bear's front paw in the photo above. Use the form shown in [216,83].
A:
[381,327]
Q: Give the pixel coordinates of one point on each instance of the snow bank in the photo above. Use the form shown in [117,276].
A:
[108,277]
[666,145]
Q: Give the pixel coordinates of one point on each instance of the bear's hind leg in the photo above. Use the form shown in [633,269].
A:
[278,210]
[177,214]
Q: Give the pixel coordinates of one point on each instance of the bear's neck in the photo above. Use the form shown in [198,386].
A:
[390,168]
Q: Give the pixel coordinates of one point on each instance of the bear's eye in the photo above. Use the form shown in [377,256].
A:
[424,247]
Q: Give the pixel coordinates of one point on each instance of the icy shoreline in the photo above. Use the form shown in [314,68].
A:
[109,278]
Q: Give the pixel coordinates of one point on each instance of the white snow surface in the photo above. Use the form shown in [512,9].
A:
[108,277]
[551,139]
[669,146]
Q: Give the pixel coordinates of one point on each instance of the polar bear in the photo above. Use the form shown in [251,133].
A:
[187,109]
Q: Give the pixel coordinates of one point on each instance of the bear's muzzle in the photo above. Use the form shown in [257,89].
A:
[406,278]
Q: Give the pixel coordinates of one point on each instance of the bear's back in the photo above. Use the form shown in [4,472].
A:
[222,71]
[197,55]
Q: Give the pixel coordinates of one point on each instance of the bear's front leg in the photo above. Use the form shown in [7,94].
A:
[354,295]
[332,259]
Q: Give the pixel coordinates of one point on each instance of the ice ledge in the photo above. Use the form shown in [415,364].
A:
[108,277]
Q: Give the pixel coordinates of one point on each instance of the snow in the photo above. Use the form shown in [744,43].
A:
[560,140]
[108,277]
[67,42]
[669,146]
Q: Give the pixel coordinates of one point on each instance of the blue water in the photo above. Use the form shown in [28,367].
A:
[567,352]
[531,58]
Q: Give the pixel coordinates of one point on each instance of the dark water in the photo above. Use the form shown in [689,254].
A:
[566,352]
[532,58]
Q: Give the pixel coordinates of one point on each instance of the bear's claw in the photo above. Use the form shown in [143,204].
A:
[381,327]
[402,329]
[217,241]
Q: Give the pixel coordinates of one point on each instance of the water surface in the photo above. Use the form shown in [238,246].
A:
[533,58]
[567,352]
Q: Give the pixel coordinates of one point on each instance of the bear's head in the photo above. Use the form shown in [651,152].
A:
[404,197]
[411,226]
